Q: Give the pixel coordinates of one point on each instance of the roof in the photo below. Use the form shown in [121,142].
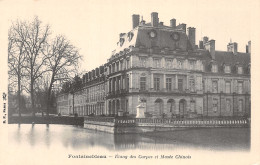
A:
[163,39]
[225,57]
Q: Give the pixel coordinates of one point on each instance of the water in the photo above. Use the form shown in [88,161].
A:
[73,138]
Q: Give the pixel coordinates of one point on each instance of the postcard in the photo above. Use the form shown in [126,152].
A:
[136,82]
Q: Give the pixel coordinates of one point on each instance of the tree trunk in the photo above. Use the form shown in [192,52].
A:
[48,105]
[32,99]
[73,102]
[19,96]
[49,94]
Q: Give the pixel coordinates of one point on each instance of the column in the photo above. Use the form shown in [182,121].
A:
[152,80]
[176,81]
[130,80]
[164,82]
[187,82]
[109,85]
[121,82]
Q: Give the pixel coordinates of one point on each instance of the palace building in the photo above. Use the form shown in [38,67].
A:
[162,69]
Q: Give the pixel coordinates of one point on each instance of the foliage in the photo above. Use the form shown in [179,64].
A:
[37,63]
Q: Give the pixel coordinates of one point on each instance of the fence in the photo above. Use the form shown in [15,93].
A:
[171,122]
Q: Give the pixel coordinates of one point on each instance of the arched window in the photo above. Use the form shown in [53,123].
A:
[158,106]
[170,106]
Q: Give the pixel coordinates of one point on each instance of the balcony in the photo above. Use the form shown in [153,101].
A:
[117,93]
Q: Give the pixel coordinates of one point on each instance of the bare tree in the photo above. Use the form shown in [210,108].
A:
[16,60]
[62,61]
[34,38]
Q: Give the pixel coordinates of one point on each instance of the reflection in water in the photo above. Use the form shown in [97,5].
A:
[31,135]
[47,136]
[75,137]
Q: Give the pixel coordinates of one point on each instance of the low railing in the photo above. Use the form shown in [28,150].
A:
[194,122]
[169,122]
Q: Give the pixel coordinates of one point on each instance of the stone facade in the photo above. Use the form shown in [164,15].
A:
[162,68]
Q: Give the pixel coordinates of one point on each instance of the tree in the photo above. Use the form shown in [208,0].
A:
[75,85]
[62,61]
[34,38]
[16,60]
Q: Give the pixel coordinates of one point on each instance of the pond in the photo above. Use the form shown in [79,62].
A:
[76,138]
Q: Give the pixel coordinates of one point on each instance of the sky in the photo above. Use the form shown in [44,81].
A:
[94,25]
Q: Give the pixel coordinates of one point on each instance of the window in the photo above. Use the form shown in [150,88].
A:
[239,70]
[168,84]
[240,105]
[215,105]
[203,85]
[127,63]
[240,88]
[228,87]
[156,63]
[142,83]
[180,84]
[192,85]
[121,65]
[179,64]
[156,83]
[215,86]
[228,105]
[214,68]
[127,83]
[227,69]
[113,68]
[192,106]
[117,66]
[168,63]
[142,61]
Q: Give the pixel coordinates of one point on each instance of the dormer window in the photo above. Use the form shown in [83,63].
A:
[152,34]
[240,70]
[214,68]
[227,69]
[157,63]
[192,65]
[168,63]
[179,64]
[130,36]
[142,61]
[122,40]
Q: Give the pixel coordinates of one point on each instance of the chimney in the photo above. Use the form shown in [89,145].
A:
[232,47]
[183,27]
[154,19]
[86,77]
[173,23]
[192,36]
[210,46]
[201,45]
[135,20]
[161,23]
[142,22]
[121,35]
[248,47]
[205,40]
